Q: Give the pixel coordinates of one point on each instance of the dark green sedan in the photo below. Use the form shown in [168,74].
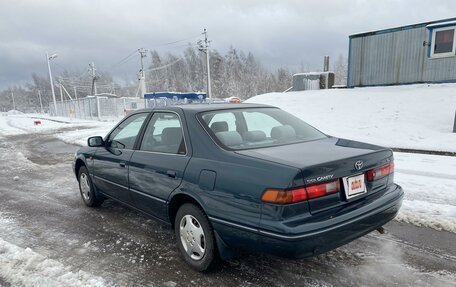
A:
[230,177]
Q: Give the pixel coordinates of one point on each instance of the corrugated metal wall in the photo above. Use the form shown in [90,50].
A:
[396,58]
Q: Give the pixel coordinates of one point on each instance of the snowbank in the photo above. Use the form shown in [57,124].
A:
[24,267]
[72,131]
[14,112]
[412,116]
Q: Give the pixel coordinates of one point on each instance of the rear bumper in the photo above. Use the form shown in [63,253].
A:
[331,236]
[315,238]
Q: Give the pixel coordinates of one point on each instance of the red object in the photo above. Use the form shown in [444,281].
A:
[378,173]
[279,196]
[37,122]
[322,189]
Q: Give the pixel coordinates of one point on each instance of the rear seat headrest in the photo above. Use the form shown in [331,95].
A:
[171,136]
[231,138]
[254,136]
[217,127]
[285,132]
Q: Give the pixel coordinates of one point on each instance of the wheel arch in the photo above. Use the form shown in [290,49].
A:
[79,163]
[177,201]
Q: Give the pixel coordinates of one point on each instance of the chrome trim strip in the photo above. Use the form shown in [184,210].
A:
[156,152]
[110,182]
[148,195]
[233,224]
[131,189]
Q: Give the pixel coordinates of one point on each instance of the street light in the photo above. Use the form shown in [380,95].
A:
[48,59]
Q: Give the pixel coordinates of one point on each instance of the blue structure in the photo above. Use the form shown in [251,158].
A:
[176,96]
[419,53]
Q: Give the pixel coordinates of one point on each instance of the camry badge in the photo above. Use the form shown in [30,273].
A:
[359,164]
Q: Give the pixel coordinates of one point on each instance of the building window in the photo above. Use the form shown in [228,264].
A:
[443,42]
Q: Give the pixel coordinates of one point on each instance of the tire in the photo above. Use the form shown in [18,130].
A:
[88,193]
[195,237]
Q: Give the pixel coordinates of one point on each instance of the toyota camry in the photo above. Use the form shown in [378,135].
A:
[230,177]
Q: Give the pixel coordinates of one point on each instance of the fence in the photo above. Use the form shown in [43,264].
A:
[105,109]
[97,108]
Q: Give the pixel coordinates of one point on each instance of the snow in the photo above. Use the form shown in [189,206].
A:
[412,116]
[75,131]
[415,116]
[429,182]
[25,267]
[6,129]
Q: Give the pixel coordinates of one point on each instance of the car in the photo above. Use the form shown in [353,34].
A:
[232,177]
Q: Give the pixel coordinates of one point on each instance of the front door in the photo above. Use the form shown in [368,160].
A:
[158,166]
[110,167]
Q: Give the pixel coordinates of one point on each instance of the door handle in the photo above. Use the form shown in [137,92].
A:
[171,173]
[122,164]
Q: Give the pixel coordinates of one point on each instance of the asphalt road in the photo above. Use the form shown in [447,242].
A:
[39,193]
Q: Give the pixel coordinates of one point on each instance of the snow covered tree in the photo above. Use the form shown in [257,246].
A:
[340,69]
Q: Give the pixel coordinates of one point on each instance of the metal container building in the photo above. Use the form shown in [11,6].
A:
[419,53]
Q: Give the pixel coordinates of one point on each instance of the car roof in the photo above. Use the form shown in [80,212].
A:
[197,108]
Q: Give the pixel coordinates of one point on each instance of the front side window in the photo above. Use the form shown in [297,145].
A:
[238,129]
[443,42]
[124,136]
[164,134]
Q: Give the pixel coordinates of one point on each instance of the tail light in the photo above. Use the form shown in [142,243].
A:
[318,190]
[380,172]
[280,196]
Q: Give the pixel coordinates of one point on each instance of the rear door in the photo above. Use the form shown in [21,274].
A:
[110,163]
[157,167]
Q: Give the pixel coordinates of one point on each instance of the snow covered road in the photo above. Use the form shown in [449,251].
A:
[47,234]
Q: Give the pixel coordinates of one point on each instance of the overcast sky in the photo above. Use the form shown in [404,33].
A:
[280,33]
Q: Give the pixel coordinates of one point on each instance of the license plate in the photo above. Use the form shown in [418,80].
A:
[354,185]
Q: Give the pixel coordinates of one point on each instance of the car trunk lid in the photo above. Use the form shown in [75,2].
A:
[327,160]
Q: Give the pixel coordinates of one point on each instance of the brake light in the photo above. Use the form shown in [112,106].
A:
[280,196]
[322,189]
[380,172]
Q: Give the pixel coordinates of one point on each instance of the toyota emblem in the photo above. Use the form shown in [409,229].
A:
[359,164]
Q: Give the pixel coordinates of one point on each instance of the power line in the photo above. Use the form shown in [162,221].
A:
[174,42]
[123,60]
[165,66]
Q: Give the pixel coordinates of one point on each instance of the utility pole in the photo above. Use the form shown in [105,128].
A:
[326,64]
[142,73]
[94,78]
[48,59]
[12,96]
[41,103]
[61,92]
[454,127]
[204,47]
[75,93]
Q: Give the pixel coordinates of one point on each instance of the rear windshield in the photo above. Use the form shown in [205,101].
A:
[238,129]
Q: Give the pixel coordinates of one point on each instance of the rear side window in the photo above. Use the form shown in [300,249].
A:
[256,128]
[124,136]
[164,134]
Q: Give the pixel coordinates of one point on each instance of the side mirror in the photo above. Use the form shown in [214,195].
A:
[95,141]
